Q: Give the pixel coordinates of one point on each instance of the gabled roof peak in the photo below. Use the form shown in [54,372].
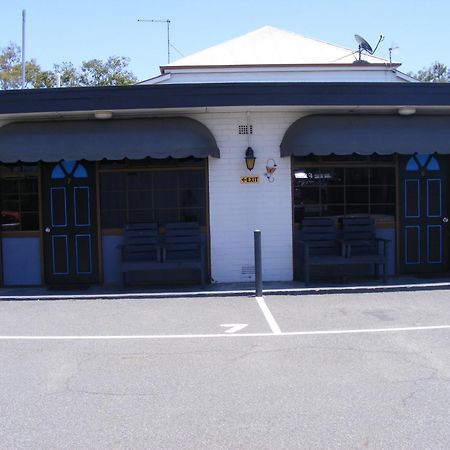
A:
[271,46]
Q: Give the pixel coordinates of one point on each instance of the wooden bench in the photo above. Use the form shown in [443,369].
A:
[141,249]
[183,247]
[361,245]
[317,245]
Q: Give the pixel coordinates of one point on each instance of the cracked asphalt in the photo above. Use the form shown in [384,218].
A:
[380,390]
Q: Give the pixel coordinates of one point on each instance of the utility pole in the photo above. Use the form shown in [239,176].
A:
[23,49]
[167,21]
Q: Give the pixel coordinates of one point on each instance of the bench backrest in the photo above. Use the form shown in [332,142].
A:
[360,233]
[140,242]
[320,234]
[183,241]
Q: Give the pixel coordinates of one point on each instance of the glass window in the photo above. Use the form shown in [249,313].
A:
[354,186]
[153,194]
[19,197]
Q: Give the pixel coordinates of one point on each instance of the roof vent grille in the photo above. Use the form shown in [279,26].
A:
[245,129]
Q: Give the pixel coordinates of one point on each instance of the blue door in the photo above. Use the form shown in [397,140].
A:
[423,215]
[69,223]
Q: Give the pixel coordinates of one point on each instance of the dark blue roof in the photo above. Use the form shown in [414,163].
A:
[224,94]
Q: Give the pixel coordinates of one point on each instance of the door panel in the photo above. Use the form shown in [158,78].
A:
[70,231]
[423,217]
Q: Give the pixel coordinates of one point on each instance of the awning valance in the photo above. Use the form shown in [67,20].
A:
[176,137]
[365,135]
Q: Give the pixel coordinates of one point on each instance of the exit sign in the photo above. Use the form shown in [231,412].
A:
[249,180]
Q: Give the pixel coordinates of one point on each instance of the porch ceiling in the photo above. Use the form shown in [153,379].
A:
[365,135]
[94,140]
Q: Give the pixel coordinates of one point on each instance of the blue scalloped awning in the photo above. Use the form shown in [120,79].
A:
[367,134]
[94,140]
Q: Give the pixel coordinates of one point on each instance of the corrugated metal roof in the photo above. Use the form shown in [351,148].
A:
[272,46]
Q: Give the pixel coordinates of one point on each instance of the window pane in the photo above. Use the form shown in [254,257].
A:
[333,210]
[140,215]
[382,175]
[309,196]
[334,176]
[10,186]
[166,199]
[10,220]
[357,195]
[356,176]
[155,195]
[163,216]
[333,195]
[113,219]
[165,179]
[385,210]
[382,194]
[192,179]
[140,200]
[140,180]
[113,181]
[191,198]
[113,200]
[30,202]
[28,185]
[30,221]
[357,209]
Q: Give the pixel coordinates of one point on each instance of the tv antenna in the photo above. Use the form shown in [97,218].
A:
[391,49]
[167,21]
[363,45]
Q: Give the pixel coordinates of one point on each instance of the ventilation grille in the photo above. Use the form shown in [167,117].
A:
[248,270]
[247,273]
[245,129]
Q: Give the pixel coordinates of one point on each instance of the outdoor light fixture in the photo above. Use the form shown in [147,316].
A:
[102,115]
[406,110]
[250,158]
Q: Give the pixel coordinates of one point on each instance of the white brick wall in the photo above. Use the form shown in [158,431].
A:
[238,209]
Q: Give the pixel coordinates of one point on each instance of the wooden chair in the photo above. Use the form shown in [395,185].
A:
[141,250]
[317,245]
[361,245]
[183,247]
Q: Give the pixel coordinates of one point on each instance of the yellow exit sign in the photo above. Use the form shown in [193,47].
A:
[249,180]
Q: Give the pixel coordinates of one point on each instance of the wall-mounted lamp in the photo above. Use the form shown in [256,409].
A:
[103,115]
[406,110]
[250,158]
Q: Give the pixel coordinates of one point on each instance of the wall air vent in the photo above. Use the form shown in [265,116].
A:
[245,129]
[247,273]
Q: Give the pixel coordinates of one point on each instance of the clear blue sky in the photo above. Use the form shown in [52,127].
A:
[59,30]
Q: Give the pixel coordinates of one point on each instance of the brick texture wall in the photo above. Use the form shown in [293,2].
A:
[236,209]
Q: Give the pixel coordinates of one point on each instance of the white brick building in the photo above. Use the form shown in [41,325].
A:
[347,137]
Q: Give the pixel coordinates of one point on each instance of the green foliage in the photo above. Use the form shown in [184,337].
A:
[436,73]
[113,72]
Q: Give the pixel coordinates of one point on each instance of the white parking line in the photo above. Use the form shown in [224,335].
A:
[268,315]
[192,336]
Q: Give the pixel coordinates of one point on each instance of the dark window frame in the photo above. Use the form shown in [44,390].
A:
[19,173]
[345,164]
[128,167]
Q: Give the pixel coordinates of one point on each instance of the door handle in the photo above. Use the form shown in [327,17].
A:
[47,230]
[445,219]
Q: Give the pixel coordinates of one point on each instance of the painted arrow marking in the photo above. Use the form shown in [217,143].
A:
[233,327]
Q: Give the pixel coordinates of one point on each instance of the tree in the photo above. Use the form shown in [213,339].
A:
[113,72]
[11,68]
[95,72]
[437,73]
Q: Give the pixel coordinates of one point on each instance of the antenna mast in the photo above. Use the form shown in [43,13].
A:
[167,21]
[23,48]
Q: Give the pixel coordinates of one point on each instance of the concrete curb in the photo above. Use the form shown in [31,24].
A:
[233,293]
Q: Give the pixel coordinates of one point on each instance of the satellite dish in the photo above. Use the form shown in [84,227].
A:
[364,45]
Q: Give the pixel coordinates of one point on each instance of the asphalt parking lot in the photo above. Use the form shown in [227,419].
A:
[367,370]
